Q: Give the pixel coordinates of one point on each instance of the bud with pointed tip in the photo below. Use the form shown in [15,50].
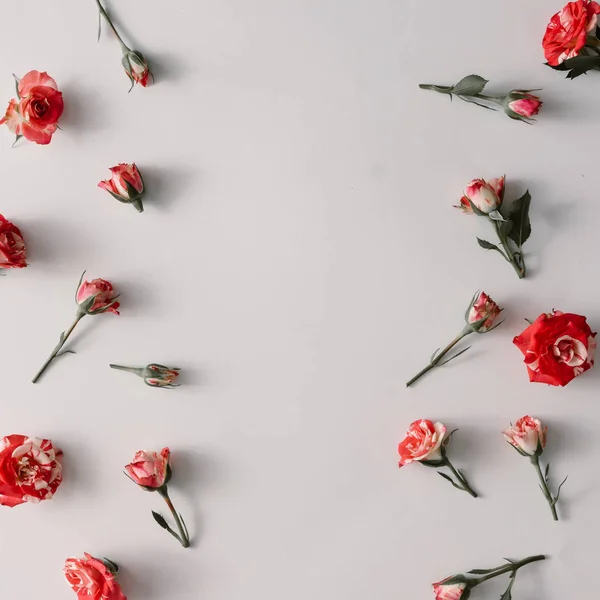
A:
[136,67]
[482,313]
[522,105]
[154,375]
[96,296]
[125,185]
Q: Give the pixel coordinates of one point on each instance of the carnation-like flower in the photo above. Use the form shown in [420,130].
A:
[426,442]
[12,246]
[30,470]
[93,578]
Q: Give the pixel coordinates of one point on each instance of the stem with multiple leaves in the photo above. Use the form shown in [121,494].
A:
[461,482]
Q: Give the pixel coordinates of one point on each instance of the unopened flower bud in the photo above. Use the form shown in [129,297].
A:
[136,67]
[522,105]
[482,313]
[154,375]
[125,185]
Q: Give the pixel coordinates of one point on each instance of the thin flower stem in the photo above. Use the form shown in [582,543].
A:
[512,567]
[535,461]
[183,535]
[518,265]
[460,478]
[495,99]
[434,362]
[136,370]
[124,46]
[63,338]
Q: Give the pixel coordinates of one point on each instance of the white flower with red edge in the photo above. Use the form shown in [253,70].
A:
[425,442]
[528,437]
[481,317]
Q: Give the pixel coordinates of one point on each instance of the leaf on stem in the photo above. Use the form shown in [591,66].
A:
[555,500]
[453,357]
[519,215]
[160,520]
[471,85]
[488,245]
[547,472]
[458,487]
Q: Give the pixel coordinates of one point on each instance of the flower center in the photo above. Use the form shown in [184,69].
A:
[570,351]
[26,473]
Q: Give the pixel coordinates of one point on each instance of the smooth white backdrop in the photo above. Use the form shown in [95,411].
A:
[299,258]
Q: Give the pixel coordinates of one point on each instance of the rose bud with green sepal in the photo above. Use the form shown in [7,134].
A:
[154,375]
[125,185]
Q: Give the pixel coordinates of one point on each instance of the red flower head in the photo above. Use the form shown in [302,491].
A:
[12,246]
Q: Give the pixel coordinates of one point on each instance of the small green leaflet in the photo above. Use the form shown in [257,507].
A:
[519,215]
[487,245]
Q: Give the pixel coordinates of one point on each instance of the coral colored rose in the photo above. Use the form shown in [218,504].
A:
[149,469]
[452,588]
[483,313]
[36,113]
[486,196]
[12,246]
[568,29]
[557,347]
[30,470]
[91,579]
[522,104]
[126,185]
[527,435]
[103,298]
[423,442]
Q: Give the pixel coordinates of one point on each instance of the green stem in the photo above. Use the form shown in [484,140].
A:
[136,370]
[518,265]
[183,534]
[509,568]
[460,478]
[58,348]
[124,46]
[495,99]
[535,461]
[434,363]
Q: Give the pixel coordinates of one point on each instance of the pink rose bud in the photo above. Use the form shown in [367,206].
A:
[482,313]
[125,185]
[485,196]
[154,375]
[149,469]
[96,296]
[452,588]
[136,67]
[522,105]
[527,436]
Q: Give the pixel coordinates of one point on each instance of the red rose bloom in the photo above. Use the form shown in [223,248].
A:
[557,347]
[568,30]
[91,579]
[102,293]
[12,246]
[30,470]
[36,113]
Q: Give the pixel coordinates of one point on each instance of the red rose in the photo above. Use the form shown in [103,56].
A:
[568,29]
[92,579]
[101,291]
[30,470]
[423,442]
[126,185]
[557,347]
[36,113]
[12,246]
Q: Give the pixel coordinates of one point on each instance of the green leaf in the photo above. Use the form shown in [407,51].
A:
[487,245]
[471,85]
[447,478]
[160,520]
[547,472]
[482,571]
[453,357]
[504,228]
[519,215]
[578,65]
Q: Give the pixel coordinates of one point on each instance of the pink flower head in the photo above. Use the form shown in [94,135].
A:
[35,114]
[522,105]
[160,376]
[150,469]
[423,442]
[92,579]
[96,296]
[568,29]
[527,435]
[126,185]
[486,196]
[12,246]
[30,470]
[452,588]
[482,313]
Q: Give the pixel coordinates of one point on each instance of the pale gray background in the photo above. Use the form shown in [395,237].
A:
[300,259]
